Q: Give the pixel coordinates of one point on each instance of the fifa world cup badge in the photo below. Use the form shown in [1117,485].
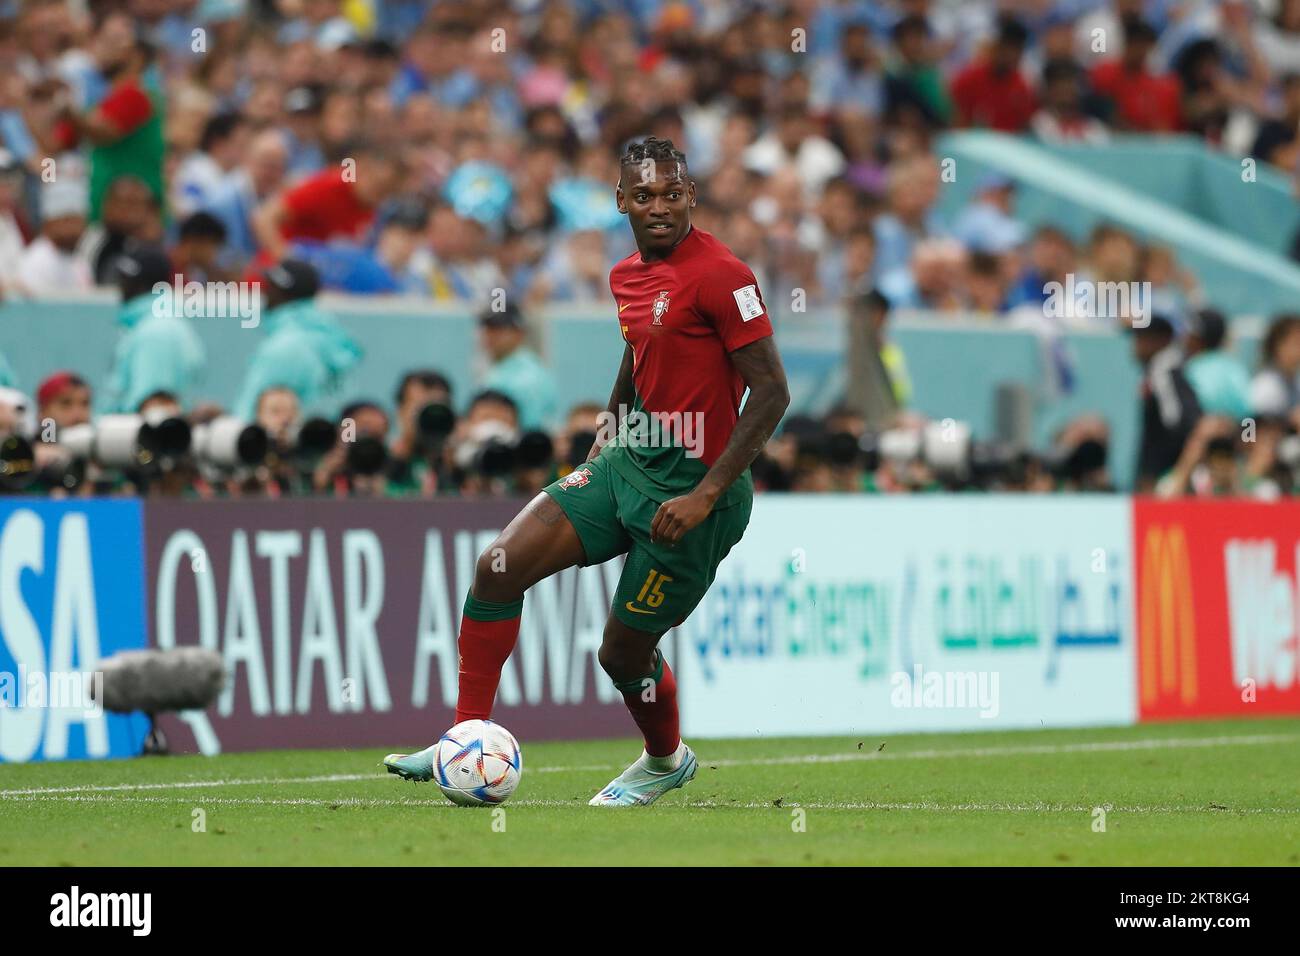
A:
[660,307]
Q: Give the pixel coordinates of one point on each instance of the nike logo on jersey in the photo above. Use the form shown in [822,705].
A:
[636,610]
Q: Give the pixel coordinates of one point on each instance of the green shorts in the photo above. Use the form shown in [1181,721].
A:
[661,583]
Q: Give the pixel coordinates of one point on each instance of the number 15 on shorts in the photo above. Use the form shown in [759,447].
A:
[651,594]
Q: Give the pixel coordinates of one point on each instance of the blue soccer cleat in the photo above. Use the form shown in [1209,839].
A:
[638,786]
[417,766]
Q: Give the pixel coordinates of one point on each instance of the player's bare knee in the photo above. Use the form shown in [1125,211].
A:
[494,579]
[613,660]
[623,661]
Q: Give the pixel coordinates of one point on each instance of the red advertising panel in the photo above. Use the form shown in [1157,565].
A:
[337,621]
[1217,608]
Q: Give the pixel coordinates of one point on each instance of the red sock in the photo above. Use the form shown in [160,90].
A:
[654,708]
[484,647]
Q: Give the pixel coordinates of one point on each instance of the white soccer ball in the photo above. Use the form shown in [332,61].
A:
[477,762]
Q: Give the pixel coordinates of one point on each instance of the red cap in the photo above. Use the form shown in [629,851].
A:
[50,389]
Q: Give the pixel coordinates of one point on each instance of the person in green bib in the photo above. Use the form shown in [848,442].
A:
[125,129]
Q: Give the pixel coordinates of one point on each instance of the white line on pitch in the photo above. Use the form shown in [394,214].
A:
[1156,743]
[439,804]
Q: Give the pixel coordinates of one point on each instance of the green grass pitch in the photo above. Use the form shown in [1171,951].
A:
[1222,793]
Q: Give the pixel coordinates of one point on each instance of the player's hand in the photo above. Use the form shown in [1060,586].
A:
[679,515]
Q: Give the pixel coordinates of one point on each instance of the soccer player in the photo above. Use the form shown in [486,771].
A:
[669,486]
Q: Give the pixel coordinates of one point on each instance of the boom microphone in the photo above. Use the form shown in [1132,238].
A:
[157,681]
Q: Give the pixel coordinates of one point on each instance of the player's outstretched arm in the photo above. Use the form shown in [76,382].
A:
[759,364]
[620,400]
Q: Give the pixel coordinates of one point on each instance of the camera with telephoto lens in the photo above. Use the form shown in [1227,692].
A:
[17,464]
[227,443]
[433,425]
[498,457]
[140,447]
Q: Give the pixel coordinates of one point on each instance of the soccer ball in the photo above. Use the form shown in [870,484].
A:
[477,762]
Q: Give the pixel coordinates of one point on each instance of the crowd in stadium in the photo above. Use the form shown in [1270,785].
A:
[460,149]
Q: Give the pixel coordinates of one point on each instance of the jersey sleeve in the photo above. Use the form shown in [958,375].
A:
[301,200]
[729,299]
[126,108]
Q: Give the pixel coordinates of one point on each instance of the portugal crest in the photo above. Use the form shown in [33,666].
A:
[576,479]
[660,307]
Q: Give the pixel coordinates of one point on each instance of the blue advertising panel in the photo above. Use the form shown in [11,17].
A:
[71,593]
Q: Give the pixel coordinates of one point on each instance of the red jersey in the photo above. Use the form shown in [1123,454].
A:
[998,101]
[323,207]
[1143,101]
[683,315]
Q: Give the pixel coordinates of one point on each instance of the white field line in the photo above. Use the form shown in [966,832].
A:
[438,803]
[1156,743]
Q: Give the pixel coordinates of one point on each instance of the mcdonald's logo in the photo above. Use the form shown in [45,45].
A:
[1167,618]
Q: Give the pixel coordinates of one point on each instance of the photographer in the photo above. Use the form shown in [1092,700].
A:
[356,466]
[492,457]
[417,459]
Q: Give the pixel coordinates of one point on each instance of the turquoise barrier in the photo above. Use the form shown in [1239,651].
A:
[1206,183]
[1231,233]
[955,364]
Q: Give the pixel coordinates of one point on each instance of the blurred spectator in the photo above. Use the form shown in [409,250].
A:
[1278,37]
[204,174]
[793,141]
[236,199]
[1169,405]
[577,270]
[1051,257]
[909,215]
[1174,290]
[1275,389]
[891,354]
[1061,117]
[336,203]
[396,250]
[986,285]
[849,80]
[129,212]
[17,416]
[305,349]
[158,351]
[1112,256]
[577,436]
[915,89]
[514,369]
[991,92]
[195,256]
[988,224]
[51,265]
[1143,101]
[1218,377]
[1212,464]
[279,412]
[14,230]
[456,260]
[1276,141]
[62,400]
[126,127]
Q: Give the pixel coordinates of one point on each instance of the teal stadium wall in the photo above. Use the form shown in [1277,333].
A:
[955,363]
